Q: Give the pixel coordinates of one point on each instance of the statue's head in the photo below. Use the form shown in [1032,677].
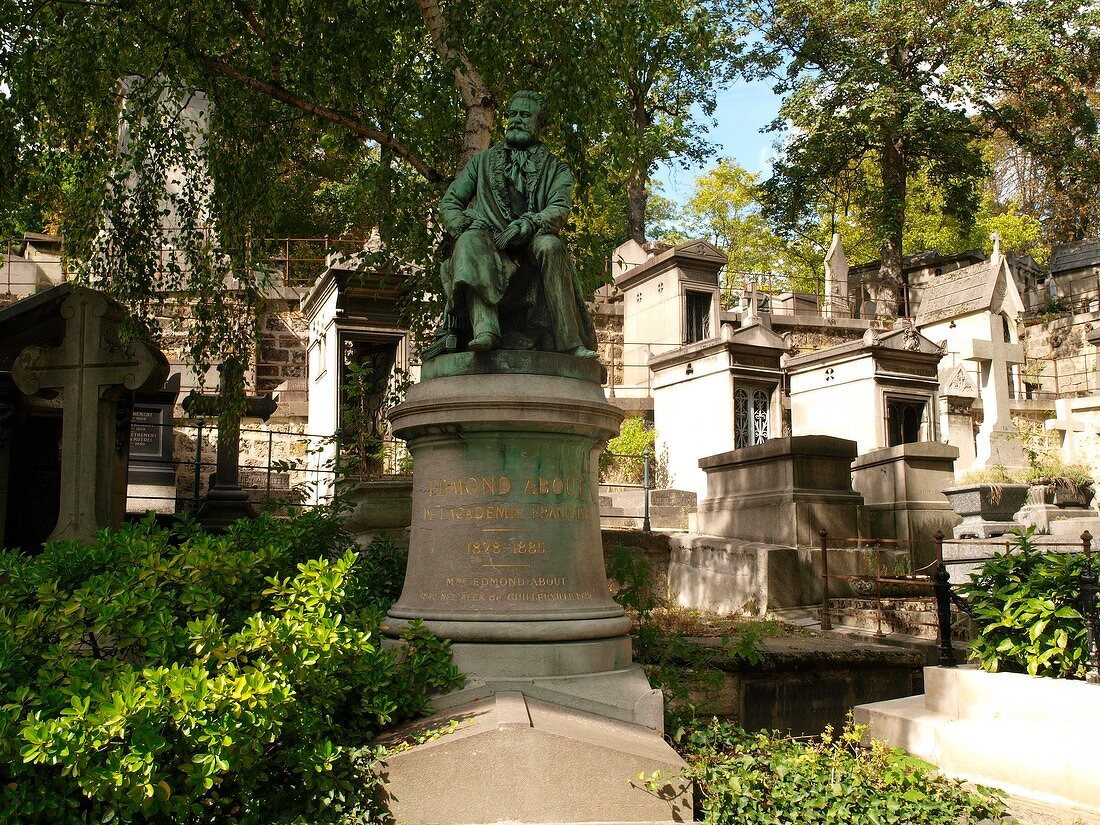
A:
[526,115]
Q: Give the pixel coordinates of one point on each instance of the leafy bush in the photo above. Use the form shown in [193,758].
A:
[769,778]
[623,461]
[167,675]
[1025,611]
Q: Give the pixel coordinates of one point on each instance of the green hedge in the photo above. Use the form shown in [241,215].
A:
[1026,616]
[167,675]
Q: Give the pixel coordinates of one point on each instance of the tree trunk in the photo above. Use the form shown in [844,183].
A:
[477,100]
[888,288]
[637,194]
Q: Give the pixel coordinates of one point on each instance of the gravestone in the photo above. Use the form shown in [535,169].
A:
[1065,421]
[64,348]
[836,281]
[974,310]
[151,481]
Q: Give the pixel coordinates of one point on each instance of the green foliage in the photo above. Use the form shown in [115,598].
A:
[365,400]
[687,672]
[1025,605]
[623,460]
[167,675]
[769,778]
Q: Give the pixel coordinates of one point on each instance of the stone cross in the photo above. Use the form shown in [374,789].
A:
[752,314]
[995,439]
[90,370]
[836,280]
[227,502]
[1068,424]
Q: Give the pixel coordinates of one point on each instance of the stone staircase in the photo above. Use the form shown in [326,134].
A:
[1034,737]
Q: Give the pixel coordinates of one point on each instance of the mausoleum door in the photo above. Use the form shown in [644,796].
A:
[751,415]
[907,421]
[366,391]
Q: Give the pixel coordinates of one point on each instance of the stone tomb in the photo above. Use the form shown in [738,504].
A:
[878,392]
[784,491]
[506,561]
[902,499]
[732,383]
[69,386]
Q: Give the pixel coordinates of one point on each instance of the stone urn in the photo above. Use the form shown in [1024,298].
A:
[1057,492]
[987,510]
[377,506]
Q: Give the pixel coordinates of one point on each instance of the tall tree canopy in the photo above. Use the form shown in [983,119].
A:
[368,106]
[882,96]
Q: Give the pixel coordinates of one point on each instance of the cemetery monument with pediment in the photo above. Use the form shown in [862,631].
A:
[975,311]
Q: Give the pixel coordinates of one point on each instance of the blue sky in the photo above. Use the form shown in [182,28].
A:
[743,109]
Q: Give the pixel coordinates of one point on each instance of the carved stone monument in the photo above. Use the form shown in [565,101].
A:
[506,561]
[63,347]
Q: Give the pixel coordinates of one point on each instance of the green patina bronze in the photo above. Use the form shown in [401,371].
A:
[510,283]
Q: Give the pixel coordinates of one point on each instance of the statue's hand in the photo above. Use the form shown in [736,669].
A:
[519,231]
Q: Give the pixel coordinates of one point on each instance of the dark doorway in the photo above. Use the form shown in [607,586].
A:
[34,482]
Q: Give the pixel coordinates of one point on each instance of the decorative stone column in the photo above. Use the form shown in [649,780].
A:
[505,554]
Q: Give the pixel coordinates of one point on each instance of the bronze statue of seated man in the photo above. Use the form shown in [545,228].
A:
[510,276]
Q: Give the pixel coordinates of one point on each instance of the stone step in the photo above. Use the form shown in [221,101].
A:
[969,693]
[1034,737]
[905,723]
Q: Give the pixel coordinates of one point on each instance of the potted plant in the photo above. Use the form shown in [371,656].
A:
[987,499]
[1065,485]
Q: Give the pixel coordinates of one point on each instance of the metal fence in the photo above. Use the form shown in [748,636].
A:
[298,469]
[931,584]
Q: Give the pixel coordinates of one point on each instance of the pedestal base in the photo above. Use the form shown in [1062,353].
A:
[223,506]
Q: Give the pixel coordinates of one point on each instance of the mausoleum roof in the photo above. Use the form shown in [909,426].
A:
[697,256]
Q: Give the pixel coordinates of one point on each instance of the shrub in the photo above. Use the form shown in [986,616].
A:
[1025,611]
[168,675]
[623,461]
[769,778]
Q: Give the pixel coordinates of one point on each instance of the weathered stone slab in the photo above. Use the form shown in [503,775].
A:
[516,759]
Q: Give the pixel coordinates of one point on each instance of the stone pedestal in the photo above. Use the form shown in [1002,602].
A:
[505,557]
[987,510]
[782,492]
[901,488]
[506,561]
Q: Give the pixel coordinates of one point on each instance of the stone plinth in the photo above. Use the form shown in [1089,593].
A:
[782,492]
[505,552]
[506,560]
[902,494]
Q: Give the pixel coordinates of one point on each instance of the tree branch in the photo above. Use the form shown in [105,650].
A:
[278,92]
[477,99]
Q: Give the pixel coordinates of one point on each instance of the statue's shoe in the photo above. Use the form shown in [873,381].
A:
[483,342]
[582,352]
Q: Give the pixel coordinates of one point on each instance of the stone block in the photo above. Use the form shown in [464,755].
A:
[1032,736]
[516,759]
[902,493]
[782,492]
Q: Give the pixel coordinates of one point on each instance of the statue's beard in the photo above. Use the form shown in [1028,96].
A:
[518,136]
